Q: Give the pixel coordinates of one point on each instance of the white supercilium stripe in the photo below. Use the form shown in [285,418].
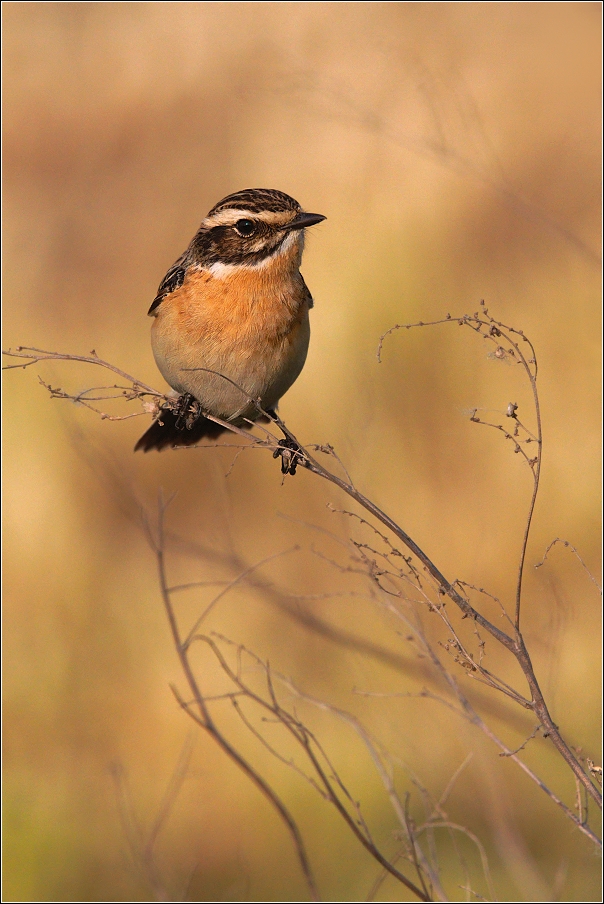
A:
[230,216]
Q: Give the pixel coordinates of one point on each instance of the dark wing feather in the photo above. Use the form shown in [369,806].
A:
[173,280]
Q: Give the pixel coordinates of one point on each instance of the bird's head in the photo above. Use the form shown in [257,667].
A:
[251,228]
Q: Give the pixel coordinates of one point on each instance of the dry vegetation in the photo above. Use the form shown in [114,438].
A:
[412,590]
[378,677]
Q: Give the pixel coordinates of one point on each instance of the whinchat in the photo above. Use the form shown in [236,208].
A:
[230,326]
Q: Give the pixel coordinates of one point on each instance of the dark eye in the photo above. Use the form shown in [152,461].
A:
[245,227]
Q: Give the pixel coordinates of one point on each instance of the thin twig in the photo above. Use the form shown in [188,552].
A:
[204,719]
[575,552]
[489,329]
[305,739]
[229,587]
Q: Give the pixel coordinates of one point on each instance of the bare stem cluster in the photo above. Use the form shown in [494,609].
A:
[407,582]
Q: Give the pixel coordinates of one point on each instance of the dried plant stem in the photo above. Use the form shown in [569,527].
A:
[495,331]
[515,644]
[204,719]
[575,553]
[34,355]
[511,345]
[329,782]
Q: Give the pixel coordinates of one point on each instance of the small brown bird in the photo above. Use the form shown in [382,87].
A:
[230,319]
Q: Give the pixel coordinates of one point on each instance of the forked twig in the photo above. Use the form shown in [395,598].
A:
[327,777]
[510,345]
[204,719]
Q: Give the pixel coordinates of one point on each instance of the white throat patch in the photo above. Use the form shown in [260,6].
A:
[220,270]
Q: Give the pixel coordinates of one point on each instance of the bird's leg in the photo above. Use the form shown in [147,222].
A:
[290,452]
[291,455]
[195,413]
[187,412]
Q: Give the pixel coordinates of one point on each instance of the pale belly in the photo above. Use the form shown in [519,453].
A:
[227,371]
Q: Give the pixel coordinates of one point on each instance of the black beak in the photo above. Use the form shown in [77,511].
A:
[305,219]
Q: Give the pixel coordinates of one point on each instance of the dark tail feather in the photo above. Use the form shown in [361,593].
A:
[164,432]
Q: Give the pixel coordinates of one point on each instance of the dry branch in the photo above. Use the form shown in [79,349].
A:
[393,574]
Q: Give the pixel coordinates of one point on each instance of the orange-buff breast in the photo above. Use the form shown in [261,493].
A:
[249,324]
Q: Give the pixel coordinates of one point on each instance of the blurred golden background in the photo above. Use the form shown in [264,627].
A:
[455,151]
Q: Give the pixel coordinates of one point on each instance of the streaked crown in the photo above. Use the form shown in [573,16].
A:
[248,227]
[257,200]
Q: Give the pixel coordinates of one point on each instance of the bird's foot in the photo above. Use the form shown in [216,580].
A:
[188,412]
[291,456]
